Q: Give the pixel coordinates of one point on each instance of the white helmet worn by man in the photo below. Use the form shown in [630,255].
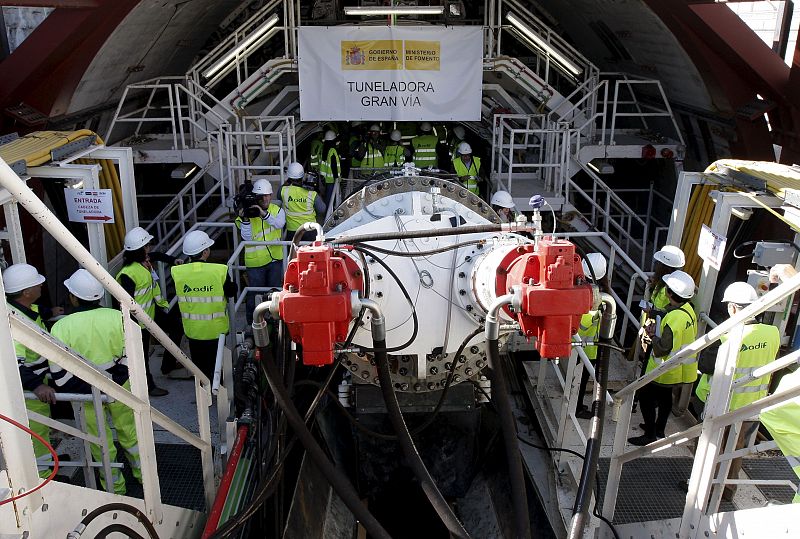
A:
[137,238]
[196,242]
[597,263]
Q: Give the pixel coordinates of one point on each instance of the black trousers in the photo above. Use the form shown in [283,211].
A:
[204,355]
[584,383]
[171,323]
[655,401]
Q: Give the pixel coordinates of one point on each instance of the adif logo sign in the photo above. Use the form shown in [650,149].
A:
[391,54]
[752,347]
[206,288]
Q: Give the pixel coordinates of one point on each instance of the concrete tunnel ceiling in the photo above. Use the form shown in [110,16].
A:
[159,38]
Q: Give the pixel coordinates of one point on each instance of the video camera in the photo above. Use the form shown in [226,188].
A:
[245,199]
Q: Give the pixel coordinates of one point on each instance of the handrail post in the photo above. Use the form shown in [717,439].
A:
[142,417]
[701,479]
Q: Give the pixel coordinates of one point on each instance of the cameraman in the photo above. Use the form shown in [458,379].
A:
[261,221]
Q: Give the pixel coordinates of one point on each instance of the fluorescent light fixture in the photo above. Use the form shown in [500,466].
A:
[260,31]
[365,11]
[601,167]
[540,43]
[183,171]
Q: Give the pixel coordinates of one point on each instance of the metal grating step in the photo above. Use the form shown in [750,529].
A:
[179,472]
[650,489]
[774,468]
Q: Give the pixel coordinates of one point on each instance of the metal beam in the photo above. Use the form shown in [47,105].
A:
[58,4]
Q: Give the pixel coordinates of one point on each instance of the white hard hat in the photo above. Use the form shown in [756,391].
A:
[137,238]
[196,242]
[261,186]
[396,135]
[83,285]
[681,283]
[740,293]
[18,277]
[671,256]
[425,127]
[330,135]
[464,148]
[460,132]
[375,127]
[502,199]
[295,171]
[355,123]
[598,264]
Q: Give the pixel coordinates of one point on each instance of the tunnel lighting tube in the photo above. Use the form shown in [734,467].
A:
[365,11]
[540,43]
[260,31]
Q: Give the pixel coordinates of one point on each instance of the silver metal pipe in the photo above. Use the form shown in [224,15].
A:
[259,325]
[378,320]
[311,225]
[71,397]
[218,365]
[492,318]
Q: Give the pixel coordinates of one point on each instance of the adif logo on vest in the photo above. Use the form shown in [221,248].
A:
[302,200]
[752,347]
[206,288]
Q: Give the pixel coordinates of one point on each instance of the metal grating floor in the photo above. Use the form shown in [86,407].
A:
[650,489]
[180,476]
[771,468]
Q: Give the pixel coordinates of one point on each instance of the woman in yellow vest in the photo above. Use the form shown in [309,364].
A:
[139,280]
[678,328]
[23,286]
[589,327]
[264,263]
[202,288]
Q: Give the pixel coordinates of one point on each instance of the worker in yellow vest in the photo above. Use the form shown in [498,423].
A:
[783,420]
[301,202]
[265,222]
[357,134]
[330,166]
[589,327]
[315,150]
[423,147]
[459,134]
[96,333]
[202,288]
[396,154]
[666,260]
[140,281]
[23,288]
[760,345]
[783,423]
[678,328]
[468,168]
[370,152]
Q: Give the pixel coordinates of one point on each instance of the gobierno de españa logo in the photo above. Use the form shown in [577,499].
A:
[391,54]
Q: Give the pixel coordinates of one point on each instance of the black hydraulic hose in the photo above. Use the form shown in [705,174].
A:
[336,478]
[117,528]
[413,458]
[516,475]
[580,511]
[403,289]
[109,507]
[411,234]
[414,254]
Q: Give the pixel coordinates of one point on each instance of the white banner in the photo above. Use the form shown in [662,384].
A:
[390,73]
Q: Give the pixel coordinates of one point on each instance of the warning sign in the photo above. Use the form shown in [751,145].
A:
[711,247]
[90,206]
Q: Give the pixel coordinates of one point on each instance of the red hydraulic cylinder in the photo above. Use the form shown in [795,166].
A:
[554,293]
[315,302]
